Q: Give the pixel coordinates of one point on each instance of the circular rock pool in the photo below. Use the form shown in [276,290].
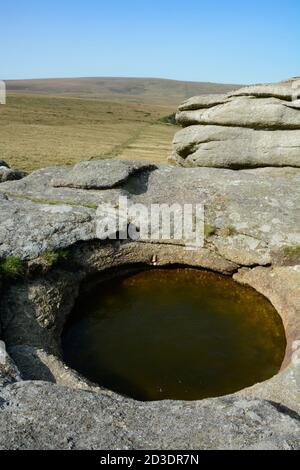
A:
[180,334]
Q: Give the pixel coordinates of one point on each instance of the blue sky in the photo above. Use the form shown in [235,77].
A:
[200,40]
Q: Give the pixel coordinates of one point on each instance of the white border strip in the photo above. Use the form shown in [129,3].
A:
[2,92]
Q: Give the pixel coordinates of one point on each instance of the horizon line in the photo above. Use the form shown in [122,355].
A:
[89,77]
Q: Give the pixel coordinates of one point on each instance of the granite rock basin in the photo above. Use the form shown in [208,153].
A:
[181,334]
[252,237]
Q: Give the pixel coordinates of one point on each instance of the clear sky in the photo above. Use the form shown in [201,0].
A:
[233,41]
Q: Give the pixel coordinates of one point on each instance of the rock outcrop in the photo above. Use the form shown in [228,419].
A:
[105,174]
[3,163]
[55,417]
[9,373]
[252,232]
[256,126]
[7,174]
[253,214]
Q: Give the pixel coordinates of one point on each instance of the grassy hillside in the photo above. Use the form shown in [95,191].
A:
[134,90]
[60,122]
[38,131]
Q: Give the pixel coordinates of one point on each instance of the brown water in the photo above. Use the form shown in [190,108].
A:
[174,334]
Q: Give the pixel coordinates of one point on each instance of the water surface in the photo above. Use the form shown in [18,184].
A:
[174,334]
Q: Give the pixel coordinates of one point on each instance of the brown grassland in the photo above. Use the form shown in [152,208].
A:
[60,122]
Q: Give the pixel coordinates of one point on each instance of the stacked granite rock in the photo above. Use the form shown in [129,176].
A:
[255,126]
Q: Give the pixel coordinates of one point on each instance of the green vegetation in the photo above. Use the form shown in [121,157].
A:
[12,267]
[53,258]
[227,231]
[292,251]
[209,230]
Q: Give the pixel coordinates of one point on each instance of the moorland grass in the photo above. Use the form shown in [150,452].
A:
[38,131]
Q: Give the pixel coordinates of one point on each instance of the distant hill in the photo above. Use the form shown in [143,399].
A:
[136,90]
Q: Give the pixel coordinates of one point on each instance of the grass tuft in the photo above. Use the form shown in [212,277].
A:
[53,258]
[209,230]
[12,267]
[227,231]
[292,251]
